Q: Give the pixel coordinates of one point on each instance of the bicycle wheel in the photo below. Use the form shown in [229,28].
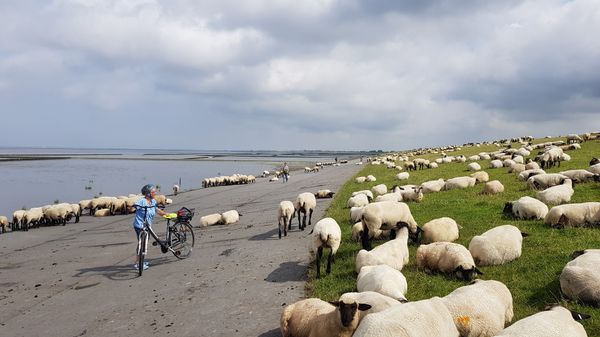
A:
[182,239]
[142,251]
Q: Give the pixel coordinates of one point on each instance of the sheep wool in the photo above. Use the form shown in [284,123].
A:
[459,183]
[210,220]
[493,187]
[497,246]
[360,179]
[556,322]
[447,257]
[557,195]
[326,234]
[314,317]
[474,167]
[574,214]
[382,279]
[230,217]
[393,253]
[580,279]
[433,186]
[379,189]
[527,208]
[481,176]
[443,229]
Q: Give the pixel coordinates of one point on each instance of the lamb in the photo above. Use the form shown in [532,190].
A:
[327,233]
[402,175]
[496,163]
[382,279]
[385,215]
[285,212]
[324,194]
[580,279]
[444,229]
[314,317]
[358,228]
[526,208]
[379,189]
[557,195]
[459,183]
[432,186]
[523,176]
[481,308]
[481,176]
[581,176]
[18,217]
[393,253]
[497,246]
[230,217]
[4,223]
[360,179]
[305,203]
[210,220]
[493,187]
[556,322]
[474,167]
[359,200]
[543,181]
[424,318]
[371,178]
[574,215]
[447,257]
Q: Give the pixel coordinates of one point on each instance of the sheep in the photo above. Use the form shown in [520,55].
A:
[324,194]
[379,189]
[393,253]
[551,157]
[33,217]
[285,212]
[385,215]
[402,176]
[314,317]
[594,161]
[573,215]
[4,223]
[543,181]
[305,203]
[273,179]
[516,168]
[368,193]
[371,178]
[358,228]
[443,229]
[496,163]
[389,197]
[433,165]
[119,205]
[474,167]
[580,279]
[493,187]
[474,158]
[175,189]
[326,234]
[508,162]
[384,280]
[102,212]
[57,214]
[447,257]
[459,183]
[532,165]
[359,200]
[526,208]
[410,194]
[581,176]
[556,322]
[377,301]
[210,220]
[101,202]
[523,176]
[86,204]
[595,169]
[17,222]
[557,195]
[432,186]
[356,213]
[424,318]
[481,308]
[230,217]
[480,177]
[497,246]
[360,179]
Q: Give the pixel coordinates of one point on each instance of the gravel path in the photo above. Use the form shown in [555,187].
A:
[79,280]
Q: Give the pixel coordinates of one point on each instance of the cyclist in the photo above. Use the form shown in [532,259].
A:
[149,191]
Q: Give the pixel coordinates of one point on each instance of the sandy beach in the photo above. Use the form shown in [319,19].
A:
[79,280]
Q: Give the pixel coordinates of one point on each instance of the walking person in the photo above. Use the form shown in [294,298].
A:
[286,172]
[149,191]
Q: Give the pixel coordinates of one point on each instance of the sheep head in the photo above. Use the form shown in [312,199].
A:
[349,312]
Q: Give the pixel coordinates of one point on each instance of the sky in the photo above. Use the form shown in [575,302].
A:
[294,75]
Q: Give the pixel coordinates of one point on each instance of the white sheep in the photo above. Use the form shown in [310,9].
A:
[426,318]
[377,301]
[371,178]
[175,189]
[449,258]
[33,217]
[4,223]
[556,322]
[324,194]
[497,246]
[443,229]
[382,279]
[285,213]
[17,221]
[459,183]
[389,197]
[385,215]
[102,212]
[305,203]
[379,189]
[432,186]
[526,208]
[86,204]
[493,187]
[532,165]
[580,279]
[359,200]
[361,179]
[356,213]
[393,253]
[523,176]
[557,195]
[481,308]
[516,168]
[581,176]
[496,163]
[543,181]
[579,214]
[481,176]
[57,214]
[230,217]
[326,234]
[210,220]
[411,194]
[474,167]
[433,165]
[368,193]
[358,228]
[595,169]
[402,176]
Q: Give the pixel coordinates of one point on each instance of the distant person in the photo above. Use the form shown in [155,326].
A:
[286,172]
[149,191]
[336,159]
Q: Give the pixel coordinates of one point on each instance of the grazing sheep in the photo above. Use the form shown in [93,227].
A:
[393,253]
[556,322]
[285,213]
[481,176]
[474,167]
[523,176]
[384,280]
[4,223]
[327,233]
[360,179]
[314,317]
[497,246]
[402,175]
[580,214]
[230,217]
[18,217]
[493,187]
[444,229]
[426,318]
[543,181]
[210,220]
[324,194]
[371,178]
[86,204]
[33,217]
[496,163]
[358,228]
[447,257]
[459,183]
[581,176]
[379,189]
[432,186]
[481,308]
[359,200]
[385,215]
[305,203]
[557,195]
[580,279]
[57,214]
[526,208]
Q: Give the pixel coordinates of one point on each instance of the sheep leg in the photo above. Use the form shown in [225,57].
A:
[309,216]
[364,236]
[299,220]
[279,227]
[285,226]
[304,221]
[319,254]
[329,261]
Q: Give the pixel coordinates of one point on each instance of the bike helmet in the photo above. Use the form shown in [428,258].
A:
[147,189]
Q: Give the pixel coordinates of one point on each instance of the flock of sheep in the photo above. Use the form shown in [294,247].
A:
[482,308]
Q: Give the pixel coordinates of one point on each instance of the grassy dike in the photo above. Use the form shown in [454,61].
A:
[532,279]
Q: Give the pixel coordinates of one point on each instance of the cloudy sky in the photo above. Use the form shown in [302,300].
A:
[289,74]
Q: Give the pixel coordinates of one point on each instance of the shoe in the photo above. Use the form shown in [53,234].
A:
[146,266]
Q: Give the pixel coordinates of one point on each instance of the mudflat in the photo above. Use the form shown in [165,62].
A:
[79,280]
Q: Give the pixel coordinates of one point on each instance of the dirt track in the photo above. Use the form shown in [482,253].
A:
[79,280]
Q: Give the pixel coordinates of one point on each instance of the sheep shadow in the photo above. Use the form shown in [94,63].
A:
[287,272]
[270,235]
[271,333]
[121,272]
[546,294]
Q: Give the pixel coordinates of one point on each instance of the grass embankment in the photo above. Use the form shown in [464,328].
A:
[533,279]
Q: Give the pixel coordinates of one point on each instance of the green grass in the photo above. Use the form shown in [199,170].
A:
[532,279]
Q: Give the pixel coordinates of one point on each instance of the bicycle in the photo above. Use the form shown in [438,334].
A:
[179,238]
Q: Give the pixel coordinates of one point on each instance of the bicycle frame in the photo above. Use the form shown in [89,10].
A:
[164,246]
